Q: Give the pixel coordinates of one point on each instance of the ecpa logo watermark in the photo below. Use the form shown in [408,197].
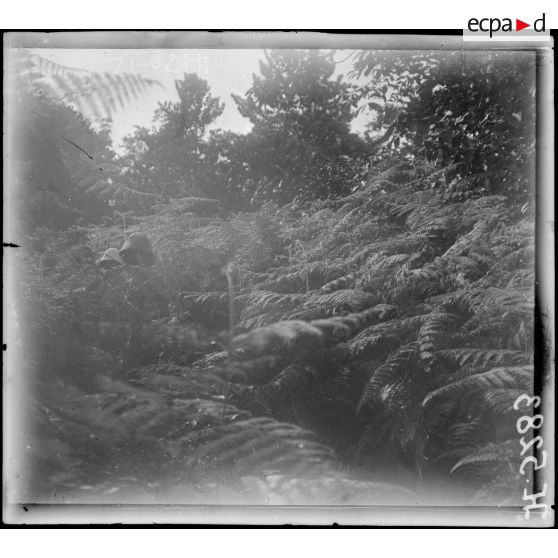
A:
[496,26]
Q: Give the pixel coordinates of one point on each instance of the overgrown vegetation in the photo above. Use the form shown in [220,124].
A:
[359,338]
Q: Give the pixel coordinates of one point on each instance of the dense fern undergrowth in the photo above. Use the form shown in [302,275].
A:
[362,350]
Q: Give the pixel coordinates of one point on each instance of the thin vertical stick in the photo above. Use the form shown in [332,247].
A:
[229,272]
[307,274]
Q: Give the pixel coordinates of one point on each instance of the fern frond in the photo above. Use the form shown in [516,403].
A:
[373,346]
[93,94]
[478,298]
[394,332]
[504,451]
[212,298]
[483,358]
[248,445]
[505,377]
[345,299]
[345,327]
[501,400]
[119,414]
[404,361]
[434,330]
[262,300]
[464,434]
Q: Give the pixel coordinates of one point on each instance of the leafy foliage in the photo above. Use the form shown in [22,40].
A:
[300,144]
[173,158]
[472,113]
[361,343]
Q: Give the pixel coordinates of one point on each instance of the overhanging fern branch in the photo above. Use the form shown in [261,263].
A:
[95,95]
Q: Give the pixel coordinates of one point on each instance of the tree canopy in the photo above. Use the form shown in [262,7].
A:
[301,143]
[172,158]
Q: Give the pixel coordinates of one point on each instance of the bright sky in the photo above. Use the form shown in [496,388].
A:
[226,70]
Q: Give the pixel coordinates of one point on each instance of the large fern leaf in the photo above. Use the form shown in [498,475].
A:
[483,357]
[95,95]
[253,444]
[506,377]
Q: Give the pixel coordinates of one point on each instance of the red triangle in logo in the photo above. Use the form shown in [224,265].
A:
[519,25]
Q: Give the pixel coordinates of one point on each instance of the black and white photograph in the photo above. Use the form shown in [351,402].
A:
[267,278]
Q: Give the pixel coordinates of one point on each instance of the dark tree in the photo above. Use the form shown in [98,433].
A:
[301,143]
[472,113]
[171,158]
